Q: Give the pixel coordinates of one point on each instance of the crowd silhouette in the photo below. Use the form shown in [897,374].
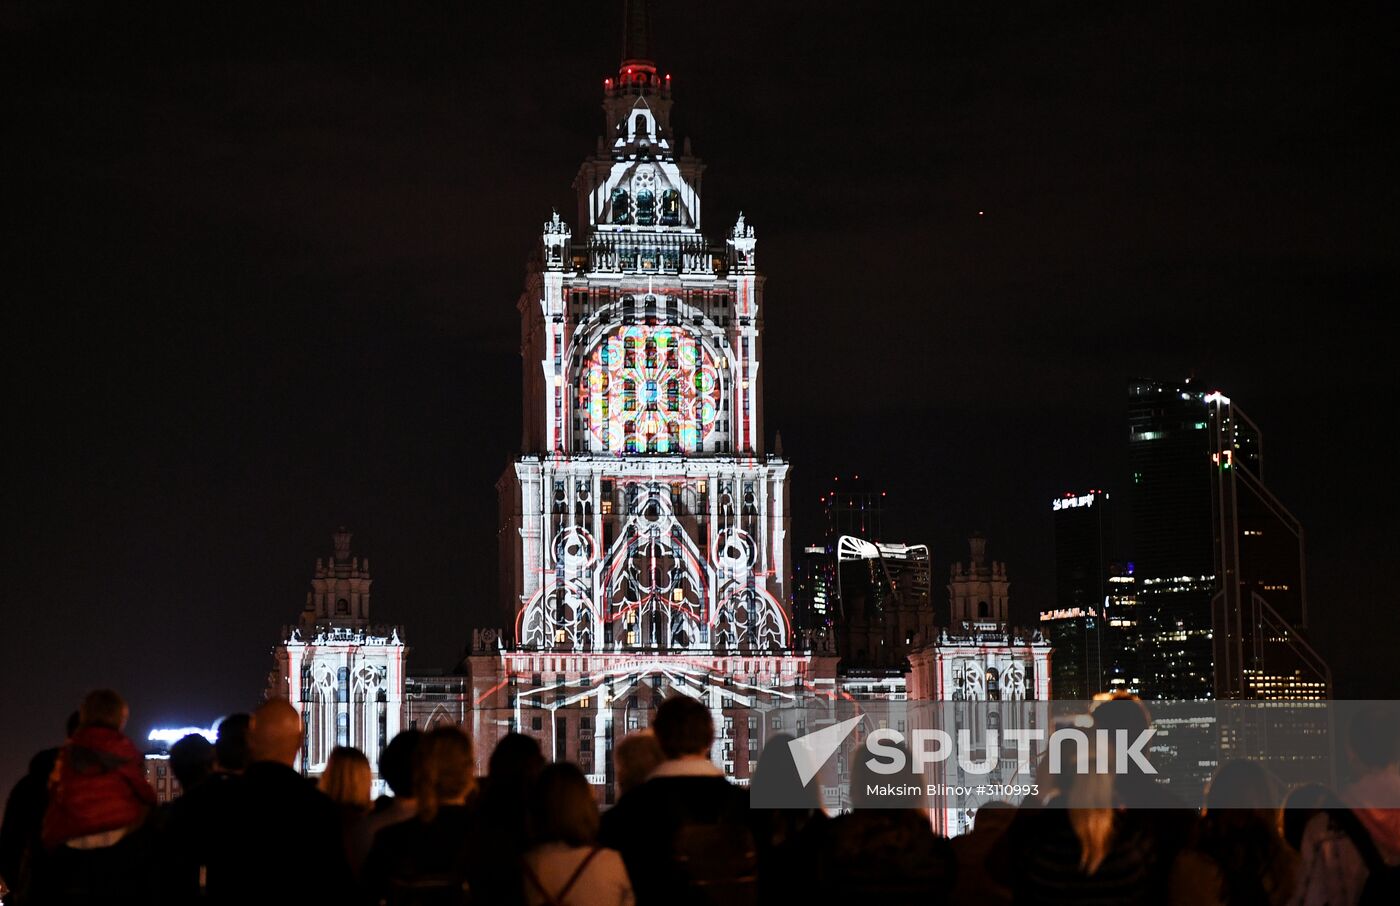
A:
[83,827]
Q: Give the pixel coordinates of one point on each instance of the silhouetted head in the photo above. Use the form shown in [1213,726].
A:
[192,760]
[871,787]
[103,708]
[562,807]
[396,763]
[1122,711]
[1241,784]
[776,783]
[348,779]
[444,770]
[274,733]
[684,728]
[635,756]
[1302,803]
[1374,736]
[231,746]
[993,818]
[515,762]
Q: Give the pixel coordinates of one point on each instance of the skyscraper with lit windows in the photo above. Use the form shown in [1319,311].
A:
[1220,569]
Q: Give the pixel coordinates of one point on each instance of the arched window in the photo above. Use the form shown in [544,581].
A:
[629,352]
[639,126]
[342,684]
[342,607]
[630,432]
[670,208]
[621,206]
[651,341]
[982,612]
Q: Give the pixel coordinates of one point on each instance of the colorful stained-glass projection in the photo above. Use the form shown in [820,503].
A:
[653,389]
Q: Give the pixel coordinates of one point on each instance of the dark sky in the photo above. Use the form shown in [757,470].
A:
[262,264]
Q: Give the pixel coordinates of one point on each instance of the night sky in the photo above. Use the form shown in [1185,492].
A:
[262,265]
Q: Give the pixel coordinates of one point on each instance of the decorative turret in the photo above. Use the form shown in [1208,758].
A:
[339,596]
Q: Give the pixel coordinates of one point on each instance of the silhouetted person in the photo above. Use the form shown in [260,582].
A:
[567,866]
[1238,855]
[438,855]
[20,845]
[195,823]
[348,781]
[1349,844]
[98,803]
[635,756]
[884,850]
[192,761]
[278,838]
[975,882]
[1079,847]
[1149,810]
[231,745]
[1373,743]
[396,767]
[782,807]
[684,832]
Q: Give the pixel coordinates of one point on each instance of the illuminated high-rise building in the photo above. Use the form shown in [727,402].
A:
[644,535]
[1077,626]
[1219,560]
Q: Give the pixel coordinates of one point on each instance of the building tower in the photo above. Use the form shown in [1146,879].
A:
[1220,564]
[1077,627]
[979,657]
[644,540]
[643,512]
[344,675]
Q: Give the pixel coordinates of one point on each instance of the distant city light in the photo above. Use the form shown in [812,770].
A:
[172,735]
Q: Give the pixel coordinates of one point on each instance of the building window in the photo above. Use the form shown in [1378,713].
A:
[342,608]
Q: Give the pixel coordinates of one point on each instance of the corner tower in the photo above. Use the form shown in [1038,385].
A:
[643,513]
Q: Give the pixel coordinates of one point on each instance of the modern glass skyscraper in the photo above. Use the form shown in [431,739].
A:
[1085,650]
[1219,560]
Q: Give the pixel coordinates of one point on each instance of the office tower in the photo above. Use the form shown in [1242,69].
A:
[1219,560]
[1077,626]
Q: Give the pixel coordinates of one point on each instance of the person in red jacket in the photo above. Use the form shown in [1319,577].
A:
[98,791]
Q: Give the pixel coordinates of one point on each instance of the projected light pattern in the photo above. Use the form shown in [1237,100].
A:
[655,587]
[650,389]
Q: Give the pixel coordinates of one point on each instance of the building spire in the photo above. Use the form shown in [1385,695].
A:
[636,35]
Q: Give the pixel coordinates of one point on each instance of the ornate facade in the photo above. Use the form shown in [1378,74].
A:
[980,657]
[644,540]
[344,675]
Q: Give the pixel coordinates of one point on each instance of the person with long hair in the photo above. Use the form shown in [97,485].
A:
[348,779]
[1077,848]
[437,855]
[567,867]
[1238,855]
[348,782]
